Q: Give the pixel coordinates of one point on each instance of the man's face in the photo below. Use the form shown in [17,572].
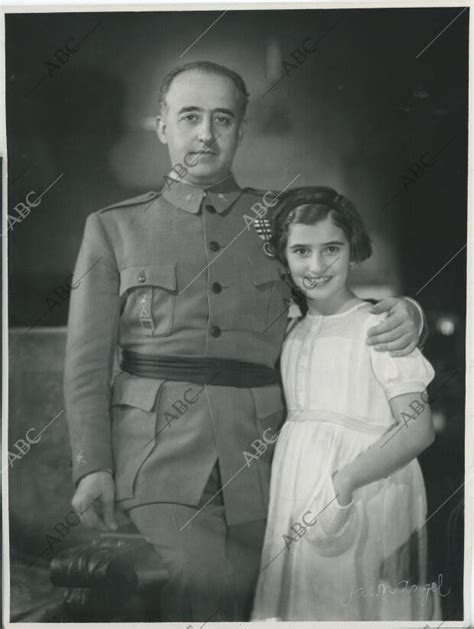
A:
[201,125]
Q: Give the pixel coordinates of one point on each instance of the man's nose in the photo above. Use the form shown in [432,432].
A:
[206,131]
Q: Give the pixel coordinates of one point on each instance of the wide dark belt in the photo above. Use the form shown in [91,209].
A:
[199,370]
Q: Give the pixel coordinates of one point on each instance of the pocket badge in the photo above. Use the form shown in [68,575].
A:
[264,232]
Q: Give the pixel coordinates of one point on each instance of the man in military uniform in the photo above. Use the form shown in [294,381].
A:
[179,281]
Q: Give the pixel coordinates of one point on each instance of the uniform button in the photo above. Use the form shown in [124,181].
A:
[216,331]
[216,287]
[142,278]
[220,195]
[214,246]
[211,209]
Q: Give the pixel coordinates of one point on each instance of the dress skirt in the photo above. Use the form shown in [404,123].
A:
[324,562]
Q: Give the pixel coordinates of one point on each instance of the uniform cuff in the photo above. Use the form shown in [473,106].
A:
[422,314]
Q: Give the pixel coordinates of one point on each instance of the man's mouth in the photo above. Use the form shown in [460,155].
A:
[310,282]
[202,153]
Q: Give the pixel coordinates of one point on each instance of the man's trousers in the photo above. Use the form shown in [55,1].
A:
[212,567]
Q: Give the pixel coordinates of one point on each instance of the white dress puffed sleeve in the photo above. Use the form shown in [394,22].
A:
[399,375]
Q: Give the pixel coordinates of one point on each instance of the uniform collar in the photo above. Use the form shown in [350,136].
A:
[188,197]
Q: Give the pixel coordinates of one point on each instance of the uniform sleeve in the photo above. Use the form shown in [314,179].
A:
[90,347]
[423,329]
[401,374]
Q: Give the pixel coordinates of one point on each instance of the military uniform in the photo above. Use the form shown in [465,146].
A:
[181,273]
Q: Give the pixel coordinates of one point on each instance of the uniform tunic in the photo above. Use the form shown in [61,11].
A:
[179,273]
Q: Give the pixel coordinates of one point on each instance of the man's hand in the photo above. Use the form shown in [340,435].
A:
[399,333]
[94,501]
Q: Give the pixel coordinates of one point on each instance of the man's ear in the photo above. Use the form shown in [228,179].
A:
[241,132]
[161,129]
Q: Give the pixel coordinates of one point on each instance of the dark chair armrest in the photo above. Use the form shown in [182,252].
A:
[103,576]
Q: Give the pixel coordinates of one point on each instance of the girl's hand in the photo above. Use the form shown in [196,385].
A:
[343,488]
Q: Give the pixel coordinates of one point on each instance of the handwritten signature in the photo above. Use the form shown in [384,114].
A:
[403,587]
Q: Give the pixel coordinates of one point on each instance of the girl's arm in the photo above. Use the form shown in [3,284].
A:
[397,447]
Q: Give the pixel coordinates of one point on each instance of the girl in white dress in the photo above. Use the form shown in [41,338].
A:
[345,537]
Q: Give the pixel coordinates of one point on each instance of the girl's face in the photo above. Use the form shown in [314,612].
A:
[318,257]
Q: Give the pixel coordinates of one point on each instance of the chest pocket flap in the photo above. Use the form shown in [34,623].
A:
[161,275]
[264,271]
[148,295]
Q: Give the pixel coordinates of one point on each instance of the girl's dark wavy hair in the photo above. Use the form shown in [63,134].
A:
[310,205]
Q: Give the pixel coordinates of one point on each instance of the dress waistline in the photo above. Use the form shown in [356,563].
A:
[301,415]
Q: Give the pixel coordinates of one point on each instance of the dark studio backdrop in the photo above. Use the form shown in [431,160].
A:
[365,112]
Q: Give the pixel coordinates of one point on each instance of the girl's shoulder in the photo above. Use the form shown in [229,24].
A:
[363,318]
[352,323]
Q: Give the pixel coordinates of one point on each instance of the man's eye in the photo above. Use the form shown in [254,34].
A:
[189,117]
[301,251]
[223,120]
[332,249]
